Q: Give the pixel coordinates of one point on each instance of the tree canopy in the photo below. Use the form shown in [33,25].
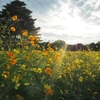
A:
[24,21]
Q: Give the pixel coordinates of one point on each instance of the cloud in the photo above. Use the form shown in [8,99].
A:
[74,21]
[68,22]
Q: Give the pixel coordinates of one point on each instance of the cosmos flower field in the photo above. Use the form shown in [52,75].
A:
[34,73]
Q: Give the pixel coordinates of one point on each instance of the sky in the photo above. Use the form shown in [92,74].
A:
[73,21]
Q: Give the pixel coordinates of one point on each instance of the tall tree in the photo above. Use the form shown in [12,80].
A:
[25,21]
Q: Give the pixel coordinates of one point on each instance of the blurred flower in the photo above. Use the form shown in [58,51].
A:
[48,71]
[57,55]
[31,37]
[13,29]
[17,78]
[25,33]
[50,61]
[23,67]
[10,54]
[26,83]
[14,18]
[80,78]
[59,76]
[13,61]
[6,74]
[19,97]
[26,47]
[45,52]
[2,85]
[16,51]
[8,67]
[48,90]
[37,39]
[39,70]
[37,45]
[49,45]
[32,43]
[26,57]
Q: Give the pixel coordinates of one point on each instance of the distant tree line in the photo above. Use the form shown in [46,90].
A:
[60,44]
[81,47]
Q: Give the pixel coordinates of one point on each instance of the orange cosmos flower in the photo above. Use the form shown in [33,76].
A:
[26,47]
[48,71]
[10,54]
[49,91]
[19,97]
[13,61]
[13,29]
[14,18]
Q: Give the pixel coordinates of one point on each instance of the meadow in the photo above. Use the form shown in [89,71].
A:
[29,72]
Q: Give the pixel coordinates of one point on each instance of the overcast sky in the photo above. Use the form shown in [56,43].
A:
[74,21]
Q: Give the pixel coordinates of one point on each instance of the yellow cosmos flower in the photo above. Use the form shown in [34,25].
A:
[26,84]
[37,39]
[50,61]
[17,78]
[49,45]
[31,37]
[25,33]
[14,18]
[13,29]
[6,74]
[37,45]
[45,52]
[16,51]
[32,43]
[80,78]
[57,55]
[23,67]
[39,70]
